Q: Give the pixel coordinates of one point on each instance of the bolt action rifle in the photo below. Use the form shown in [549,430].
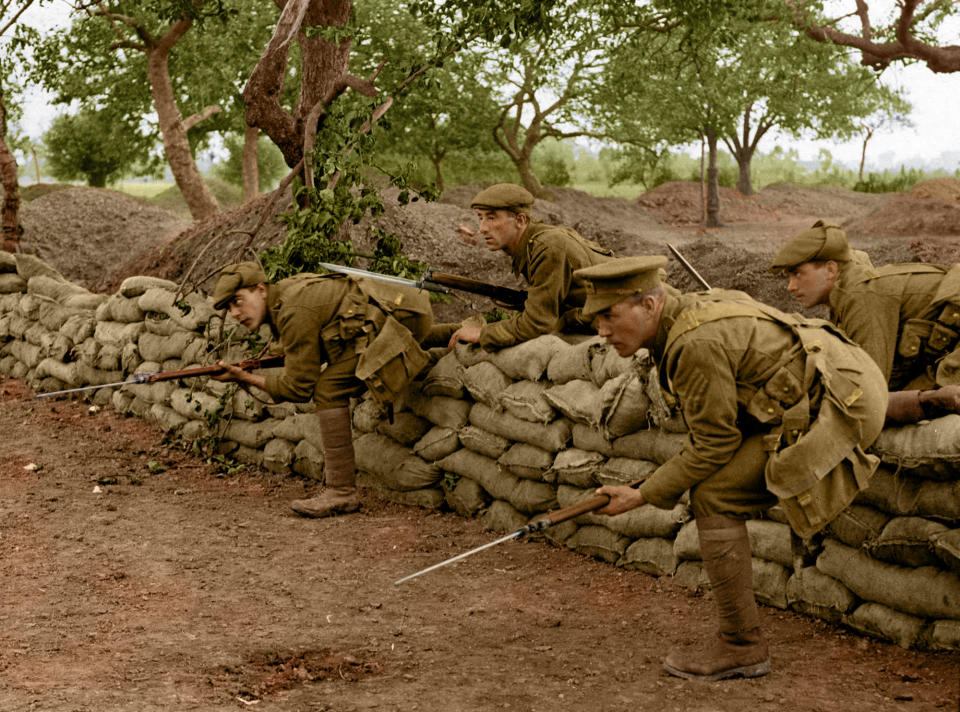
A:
[442,282]
[546,521]
[249,364]
[689,267]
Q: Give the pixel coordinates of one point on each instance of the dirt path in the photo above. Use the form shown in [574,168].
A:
[175,588]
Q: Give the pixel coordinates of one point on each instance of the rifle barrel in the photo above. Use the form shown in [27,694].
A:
[689,267]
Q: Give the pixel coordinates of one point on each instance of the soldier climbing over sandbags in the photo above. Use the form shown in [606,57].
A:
[905,316]
[779,410]
[340,335]
[546,256]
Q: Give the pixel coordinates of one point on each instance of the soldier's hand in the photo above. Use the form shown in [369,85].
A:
[469,334]
[230,373]
[940,401]
[622,499]
[467,235]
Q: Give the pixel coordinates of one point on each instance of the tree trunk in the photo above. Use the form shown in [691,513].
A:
[11,187]
[713,181]
[176,145]
[703,182]
[863,153]
[250,167]
[744,156]
[529,178]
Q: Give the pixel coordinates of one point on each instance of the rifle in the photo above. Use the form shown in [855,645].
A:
[689,267]
[544,522]
[155,376]
[441,282]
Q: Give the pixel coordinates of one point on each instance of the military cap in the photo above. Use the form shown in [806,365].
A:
[611,282]
[823,241]
[234,277]
[503,196]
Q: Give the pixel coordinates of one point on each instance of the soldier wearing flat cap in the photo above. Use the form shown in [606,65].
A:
[906,316]
[779,410]
[546,256]
[340,336]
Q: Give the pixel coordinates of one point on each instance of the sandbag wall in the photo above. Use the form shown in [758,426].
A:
[507,436]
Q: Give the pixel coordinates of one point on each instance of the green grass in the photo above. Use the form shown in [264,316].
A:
[600,189]
[142,190]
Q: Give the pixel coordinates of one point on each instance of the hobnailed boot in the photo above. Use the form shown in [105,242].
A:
[339,496]
[738,650]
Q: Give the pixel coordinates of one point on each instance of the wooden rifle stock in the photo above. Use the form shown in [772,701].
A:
[505,295]
[249,364]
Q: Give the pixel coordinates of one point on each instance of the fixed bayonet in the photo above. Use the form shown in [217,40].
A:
[689,267]
[143,377]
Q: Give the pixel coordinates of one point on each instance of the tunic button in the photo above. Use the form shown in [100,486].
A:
[770,410]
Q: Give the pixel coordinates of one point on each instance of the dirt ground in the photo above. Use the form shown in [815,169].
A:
[137,578]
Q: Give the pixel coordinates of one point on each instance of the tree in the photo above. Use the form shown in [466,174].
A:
[171,57]
[909,37]
[90,146]
[269,168]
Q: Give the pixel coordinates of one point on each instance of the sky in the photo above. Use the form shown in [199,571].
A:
[932,141]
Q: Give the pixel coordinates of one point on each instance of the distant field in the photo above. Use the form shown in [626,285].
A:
[143,190]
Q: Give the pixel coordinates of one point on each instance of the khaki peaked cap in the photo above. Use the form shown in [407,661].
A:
[234,277]
[503,196]
[611,282]
[823,241]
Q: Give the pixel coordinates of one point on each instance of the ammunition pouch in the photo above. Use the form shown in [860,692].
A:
[390,361]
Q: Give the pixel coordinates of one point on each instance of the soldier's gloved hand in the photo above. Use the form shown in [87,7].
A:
[940,401]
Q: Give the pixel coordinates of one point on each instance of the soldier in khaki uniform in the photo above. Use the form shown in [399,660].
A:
[546,256]
[780,410]
[906,316]
[340,335]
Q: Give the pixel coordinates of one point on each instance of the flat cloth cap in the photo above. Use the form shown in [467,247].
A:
[611,282]
[234,277]
[503,196]
[823,241]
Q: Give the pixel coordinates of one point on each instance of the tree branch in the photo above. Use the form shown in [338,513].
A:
[191,121]
[13,20]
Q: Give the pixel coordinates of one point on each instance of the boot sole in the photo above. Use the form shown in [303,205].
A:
[331,513]
[756,670]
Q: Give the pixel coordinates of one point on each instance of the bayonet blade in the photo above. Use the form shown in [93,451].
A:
[387,278]
[516,535]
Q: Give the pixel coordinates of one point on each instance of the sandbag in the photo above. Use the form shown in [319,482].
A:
[192,404]
[652,555]
[192,311]
[625,404]
[880,621]
[858,524]
[29,266]
[906,541]
[552,436]
[528,360]
[813,593]
[248,434]
[160,348]
[527,461]
[946,545]
[588,438]
[406,428]
[485,382]
[120,308]
[501,517]
[908,496]
[444,378]
[655,445]
[770,582]
[624,471]
[941,635]
[427,498]
[640,522]
[577,467]
[606,364]
[113,332]
[8,262]
[574,362]
[78,328]
[137,285]
[925,592]
[532,497]
[394,466]
[691,574]
[928,449]
[367,415]
[278,455]
[439,410]
[436,443]
[525,400]
[53,288]
[579,400]
[467,497]
[770,541]
[308,460]
[481,441]
[470,354]
[12,283]
[479,468]
[167,418]
[598,542]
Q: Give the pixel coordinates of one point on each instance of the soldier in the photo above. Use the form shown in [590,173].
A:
[366,333]
[779,409]
[906,316]
[544,255]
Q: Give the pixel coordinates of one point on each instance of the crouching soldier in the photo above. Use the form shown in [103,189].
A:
[780,410]
[340,335]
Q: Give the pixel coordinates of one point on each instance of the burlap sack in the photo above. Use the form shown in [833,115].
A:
[909,496]
[12,283]
[532,497]
[907,541]
[813,593]
[53,288]
[405,429]
[552,436]
[527,461]
[588,438]
[946,545]
[525,400]
[652,555]
[192,311]
[858,524]
[169,419]
[137,285]
[571,363]
[119,308]
[598,542]
[886,623]
[929,449]
[192,404]
[78,328]
[437,443]
[53,315]
[393,465]
[577,467]
[439,410]
[925,592]
[770,582]
[113,332]
[626,405]
[654,445]
[444,378]
[770,541]
[308,460]
[470,354]
[29,266]
[485,382]
[606,364]
[466,497]
[367,415]
[579,400]
[501,517]
[481,441]
[427,498]
[8,262]
[278,455]
[528,360]
[481,469]
[624,470]
[941,635]
[638,523]
[692,575]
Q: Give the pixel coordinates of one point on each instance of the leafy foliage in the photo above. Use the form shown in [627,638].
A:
[90,146]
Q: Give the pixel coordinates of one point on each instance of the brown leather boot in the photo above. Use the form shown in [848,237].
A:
[339,468]
[738,650]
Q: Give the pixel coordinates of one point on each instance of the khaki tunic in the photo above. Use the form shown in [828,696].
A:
[893,311]
[762,425]
[323,323]
[546,257]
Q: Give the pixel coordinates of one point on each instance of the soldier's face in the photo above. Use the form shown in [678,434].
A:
[249,306]
[811,282]
[630,325]
[501,229]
